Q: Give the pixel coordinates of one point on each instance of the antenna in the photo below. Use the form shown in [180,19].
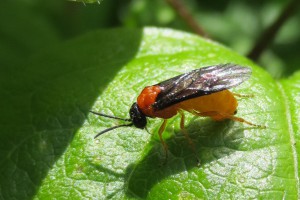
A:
[114,127]
[109,116]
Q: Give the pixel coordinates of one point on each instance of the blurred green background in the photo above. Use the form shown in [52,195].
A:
[28,26]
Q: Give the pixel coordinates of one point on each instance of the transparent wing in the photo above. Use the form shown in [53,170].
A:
[200,82]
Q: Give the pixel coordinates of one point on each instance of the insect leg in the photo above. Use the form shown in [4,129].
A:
[227,116]
[160,132]
[192,145]
[243,95]
[239,119]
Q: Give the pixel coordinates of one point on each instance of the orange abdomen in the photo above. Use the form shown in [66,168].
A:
[221,104]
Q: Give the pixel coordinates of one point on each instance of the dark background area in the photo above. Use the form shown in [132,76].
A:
[27,26]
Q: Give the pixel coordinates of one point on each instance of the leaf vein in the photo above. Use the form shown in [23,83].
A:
[291,132]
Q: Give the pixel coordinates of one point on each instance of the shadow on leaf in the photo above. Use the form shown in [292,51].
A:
[213,141]
[47,100]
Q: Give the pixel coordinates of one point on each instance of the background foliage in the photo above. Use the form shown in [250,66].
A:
[237,24]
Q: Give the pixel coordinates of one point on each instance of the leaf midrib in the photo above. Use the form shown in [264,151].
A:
[291,132]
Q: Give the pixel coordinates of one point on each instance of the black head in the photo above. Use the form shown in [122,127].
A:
[137,117]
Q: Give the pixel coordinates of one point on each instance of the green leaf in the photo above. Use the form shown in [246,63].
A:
[47,145]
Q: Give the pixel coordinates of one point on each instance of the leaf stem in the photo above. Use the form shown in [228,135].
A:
[183,12]
[268,36]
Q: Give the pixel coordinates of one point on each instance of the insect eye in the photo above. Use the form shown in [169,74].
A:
[138,118]
[235,112]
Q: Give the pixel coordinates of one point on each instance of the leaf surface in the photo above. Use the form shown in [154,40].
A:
[47,145]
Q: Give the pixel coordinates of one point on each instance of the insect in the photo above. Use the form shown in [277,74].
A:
[202,92]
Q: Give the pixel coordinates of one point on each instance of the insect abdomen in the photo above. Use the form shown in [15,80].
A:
[221,103]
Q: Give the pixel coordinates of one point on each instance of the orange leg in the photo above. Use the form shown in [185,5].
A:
[226,116]
[239,119]
[187,135]
[243,95]
[160,132]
